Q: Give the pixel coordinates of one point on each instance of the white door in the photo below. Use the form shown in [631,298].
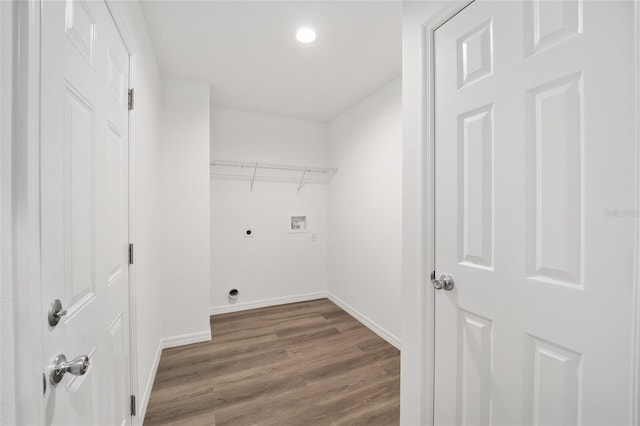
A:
[535,202]
[84,210]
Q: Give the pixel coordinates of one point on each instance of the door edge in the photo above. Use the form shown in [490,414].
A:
[28,313]
[635,402]
[134,387]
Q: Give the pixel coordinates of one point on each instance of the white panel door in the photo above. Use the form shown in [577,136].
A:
[84,208]
[535,180]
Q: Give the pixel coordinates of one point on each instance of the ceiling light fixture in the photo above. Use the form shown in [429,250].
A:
[306,35]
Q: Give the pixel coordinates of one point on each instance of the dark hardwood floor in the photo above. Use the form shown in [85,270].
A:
[306,363]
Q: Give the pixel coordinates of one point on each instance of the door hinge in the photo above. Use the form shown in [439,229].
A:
[130,99]
[131,254]
[133,405]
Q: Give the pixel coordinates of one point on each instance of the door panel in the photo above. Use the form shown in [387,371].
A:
[474,380]
[475,187]
[554,141]
[534,159]
[84,202]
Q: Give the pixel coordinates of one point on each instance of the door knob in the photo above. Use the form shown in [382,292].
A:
[77,366]
[445,282]
[55,312]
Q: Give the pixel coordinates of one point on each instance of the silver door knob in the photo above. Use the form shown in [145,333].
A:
[445,282]
[55,312]
[77,366]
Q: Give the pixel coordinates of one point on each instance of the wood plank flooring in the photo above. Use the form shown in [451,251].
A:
[306,363]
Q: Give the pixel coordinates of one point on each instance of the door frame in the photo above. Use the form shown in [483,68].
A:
[424,127]
[125,35]
[26,212]
[27,304]
[7,331]
[426,114]
[635,419]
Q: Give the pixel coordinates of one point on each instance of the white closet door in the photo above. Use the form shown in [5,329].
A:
[535,168]
[84,201]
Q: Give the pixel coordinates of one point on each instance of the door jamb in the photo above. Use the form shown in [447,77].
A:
[635,402]
[427,133]
[427,123]
[125,34]
[26,213]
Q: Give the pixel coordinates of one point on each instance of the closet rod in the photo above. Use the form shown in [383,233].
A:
[269,166]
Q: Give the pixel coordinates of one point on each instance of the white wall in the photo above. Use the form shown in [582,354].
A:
[365,142]
[185,185]
[147,272]
[273,264]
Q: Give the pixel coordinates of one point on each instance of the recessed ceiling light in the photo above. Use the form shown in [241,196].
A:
[306,35]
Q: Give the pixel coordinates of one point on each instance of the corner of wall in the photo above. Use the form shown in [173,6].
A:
[186,144]
[146,394]
[364,210]
[368,322]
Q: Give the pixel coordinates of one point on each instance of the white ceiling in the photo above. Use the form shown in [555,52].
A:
[248,52]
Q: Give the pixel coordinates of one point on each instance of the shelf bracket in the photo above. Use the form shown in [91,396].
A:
[253,178]
[301,184]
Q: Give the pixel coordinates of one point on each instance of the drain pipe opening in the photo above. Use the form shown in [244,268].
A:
[233,294]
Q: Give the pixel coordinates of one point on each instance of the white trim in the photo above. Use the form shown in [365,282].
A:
[134,385]
[186,339]
[133,288]
[144,401]
[365,320]
[635,401]
[26,205]
[245,306]
[8,319]
[165,343]
[427,125]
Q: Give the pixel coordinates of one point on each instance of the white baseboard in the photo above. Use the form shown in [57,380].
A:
[366,321]
[244,306]
[186,339]
[164,343]
[144,402]
[369,323]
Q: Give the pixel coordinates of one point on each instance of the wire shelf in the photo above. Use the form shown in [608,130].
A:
[269,172]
